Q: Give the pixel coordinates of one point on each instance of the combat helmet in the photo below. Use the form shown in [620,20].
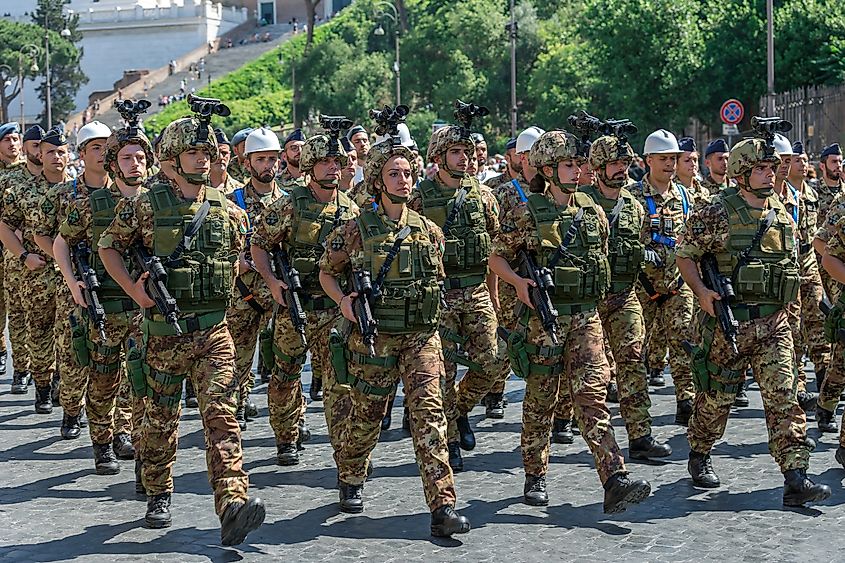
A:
[131,112]
[389,119]
[551,148]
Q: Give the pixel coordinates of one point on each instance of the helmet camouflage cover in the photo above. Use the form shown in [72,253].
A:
[607,149]
[748,153]
[553,147]
[446,137]
[181,135]
[378,157]
[317,148]
[123,137]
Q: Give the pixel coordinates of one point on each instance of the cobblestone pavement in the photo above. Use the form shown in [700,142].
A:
[53,507]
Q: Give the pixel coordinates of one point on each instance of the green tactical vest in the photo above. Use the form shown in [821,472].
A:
[586,279]
[411,292]
[102,215]
[202,281]
[311,224]
[625,251]
[468,244]
[771,275]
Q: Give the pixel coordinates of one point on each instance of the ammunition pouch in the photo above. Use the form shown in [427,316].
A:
[337,357]
[79,343]
[707,376]
[761,282]
[135,371]
[265,348]
[834,325]
[163,389]
[298,361]
[455,355]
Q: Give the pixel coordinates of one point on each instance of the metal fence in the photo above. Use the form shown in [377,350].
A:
[817,114]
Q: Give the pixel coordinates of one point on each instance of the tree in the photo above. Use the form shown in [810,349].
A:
[15,37]
[311,12]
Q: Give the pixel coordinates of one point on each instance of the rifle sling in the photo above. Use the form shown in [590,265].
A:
[190,232]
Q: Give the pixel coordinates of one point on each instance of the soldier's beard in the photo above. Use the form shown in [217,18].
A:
[612,183]
[293,163]
[264,178]
[33,158]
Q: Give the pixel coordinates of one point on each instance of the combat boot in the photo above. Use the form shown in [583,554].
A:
[139,480]
[807,401]
[158,511]
[820,373]
[250,409]
[621,491]
[43,405]
[191,401]
[105,462]
[3,356]
[655,378]
[388,418]
[406,420]
[20,382]
[239,519]
[123,448]
[798,490]
[534,490]
[826,420]
[612,392]
[700,468]
[495,403]
[809,442]
[456,460]
[445,522]
[351,498]
[70,427]
[840,456]
[562,431]
[55,385]
[316,391]
[465,431]
[683,412]
[304,433]
[240,416]
[287,454]
[646,447]
[741,399]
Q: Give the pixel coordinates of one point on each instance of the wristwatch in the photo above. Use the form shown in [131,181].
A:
[23,256]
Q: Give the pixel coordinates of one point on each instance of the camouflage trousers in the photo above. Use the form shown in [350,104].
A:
[2,307]
[284,392]
[809,336]
[417,360]
[38,293]
[469,318]
[831,287]
[563,410]
[506,317]
[337,407]
[207,356]
[667,325]
[766,344]
[578,363]
[624,330]
[245,323]
[74,378]
[834,385]
[13,285]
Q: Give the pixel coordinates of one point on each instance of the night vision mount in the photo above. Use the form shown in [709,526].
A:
[621,129]
[585,126]
[465,113]
[130,111]
[205,109]
[333,125]
[767,128]
[388,119]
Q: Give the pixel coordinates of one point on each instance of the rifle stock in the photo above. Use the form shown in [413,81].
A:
[294,294]
[96,313]
[156,285]
[722,285]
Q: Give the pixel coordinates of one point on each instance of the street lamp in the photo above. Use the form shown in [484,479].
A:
[32,52]
[512,27]
[65,33]
[292,85]
[379,32]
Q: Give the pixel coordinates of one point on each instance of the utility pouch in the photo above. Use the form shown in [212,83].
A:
[79,342]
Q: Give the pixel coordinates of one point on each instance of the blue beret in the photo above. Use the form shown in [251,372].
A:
[687,144]
[222,139]
[798,148]
[34,133]
[295,135]
[354,131]
[241,135]
[716,145]
[511,144]
[55,136]
[9,128]
[346,144]
[831,149]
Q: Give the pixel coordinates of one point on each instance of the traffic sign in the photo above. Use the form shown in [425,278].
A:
[732,112]
[729,129]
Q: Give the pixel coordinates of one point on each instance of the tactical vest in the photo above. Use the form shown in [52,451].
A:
[201,280]
[468,244]
[771,275]
[625,251]
[102,215]
[311,223]
[410,299]
[585,279]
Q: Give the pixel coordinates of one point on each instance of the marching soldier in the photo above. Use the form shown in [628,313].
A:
[716,162]
[11,158]
[292,175]
[220,176]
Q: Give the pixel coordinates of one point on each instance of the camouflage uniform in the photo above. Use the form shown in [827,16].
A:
[4,170]
[831,208]
[288,182]
[713,187]
[230,184]
[834,381]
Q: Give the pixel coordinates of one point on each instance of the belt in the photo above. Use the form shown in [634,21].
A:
[751,312]
[119,305]
[462,282]
[188,325]
[575,309]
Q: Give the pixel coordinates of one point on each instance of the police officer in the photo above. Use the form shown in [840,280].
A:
[407,346]
[199,277]
[716,162]
[570,346]
[734,230]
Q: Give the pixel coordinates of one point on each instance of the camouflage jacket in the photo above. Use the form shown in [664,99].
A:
[288,182]
[54,206]
[76,226]
[254,204]
[22,210]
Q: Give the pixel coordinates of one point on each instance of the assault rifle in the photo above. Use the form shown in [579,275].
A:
[156,285]
[81,254]
[294,294]
[539,294]
[715,281]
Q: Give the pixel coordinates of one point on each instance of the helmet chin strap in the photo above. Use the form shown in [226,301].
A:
[609,182]
[457,174]
[196,179]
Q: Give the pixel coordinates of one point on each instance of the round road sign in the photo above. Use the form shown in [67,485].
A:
[732,112]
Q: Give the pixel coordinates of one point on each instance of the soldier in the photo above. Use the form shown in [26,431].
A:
[716,162]
[485,173]
[347,175]
[220,177]
[292,175]
[201,283]
[621,312]
[833,383]
[468,322]
[297,225]
[10,158]
[236,168]
[687,172]
[407,345]
[38,280]
[124,154]
[734,231]
[361,141]
[252,303]
[667,302]
[831,207]
[14,271]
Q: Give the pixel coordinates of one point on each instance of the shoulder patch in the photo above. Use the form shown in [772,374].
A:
[73,217]
[272,218]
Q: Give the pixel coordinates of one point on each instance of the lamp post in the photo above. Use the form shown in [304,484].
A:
[770,59]
[292,85]
[379,32]
[64,33]
[512,28]
[32,52]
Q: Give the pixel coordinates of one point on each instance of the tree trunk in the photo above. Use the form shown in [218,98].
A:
[311,7]
[403,15]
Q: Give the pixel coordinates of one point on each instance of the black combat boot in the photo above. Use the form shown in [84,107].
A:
[534,490]
[388,414]
[807,401]
[809,442]
[621,491]
[158,511]
[70,427]
[820,373]
[43,405]
[139,480]
[798,490]
[287,454]
[20,382]
[406,420]
[456,461]
[741,399]
[304,433]
[612,392]
[495,405]
[655,378]
[840,456]
[123,448]
[562,431]
[445,522]
[250,408]
[55,386]
[239,519]
[3,355]
[191,401]
[316,391]
[465,431]
[646,447]
[826,420]
[700,468]
[683,412]
[351,498]
[105,462]
[240,416]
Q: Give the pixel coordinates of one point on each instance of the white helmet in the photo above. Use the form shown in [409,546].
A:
[783,146]
[661,142]
[404,136]
[527,138]
[262,139]
[91,131]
